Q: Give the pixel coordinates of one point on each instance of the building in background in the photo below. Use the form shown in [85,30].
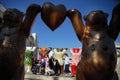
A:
[2,8]
[31,44]
[117,45]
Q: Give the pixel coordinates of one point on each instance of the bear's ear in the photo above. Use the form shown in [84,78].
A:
[114,26]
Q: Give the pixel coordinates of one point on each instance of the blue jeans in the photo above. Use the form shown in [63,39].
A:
[67,68]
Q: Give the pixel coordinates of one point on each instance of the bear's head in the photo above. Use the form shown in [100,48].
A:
[10,28]
[96,18]
[12,17]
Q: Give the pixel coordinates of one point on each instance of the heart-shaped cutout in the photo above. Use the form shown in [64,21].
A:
[53,16]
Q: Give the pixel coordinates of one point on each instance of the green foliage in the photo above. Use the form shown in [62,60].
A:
[28,59]
[28,53]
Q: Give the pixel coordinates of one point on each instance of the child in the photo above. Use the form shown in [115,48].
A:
[42,67]
[67,63]
[34,68]
[48,71]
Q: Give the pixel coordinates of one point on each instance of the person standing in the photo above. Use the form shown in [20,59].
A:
[51,62]
[50,52]
[59,52]
[56,67]
[67,63]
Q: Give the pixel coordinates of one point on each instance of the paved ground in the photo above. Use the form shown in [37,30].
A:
[43,77]
[118,67]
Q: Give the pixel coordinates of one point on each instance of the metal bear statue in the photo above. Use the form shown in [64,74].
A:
[98,61]
[14,29]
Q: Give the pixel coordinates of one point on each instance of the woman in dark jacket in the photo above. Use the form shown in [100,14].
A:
[51,62]
[56,67]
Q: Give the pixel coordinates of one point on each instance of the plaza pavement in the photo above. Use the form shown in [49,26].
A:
[44,77]
[118,67]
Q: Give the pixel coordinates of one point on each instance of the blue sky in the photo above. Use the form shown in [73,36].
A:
[64,36]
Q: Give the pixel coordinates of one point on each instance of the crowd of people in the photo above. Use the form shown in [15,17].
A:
[55,61]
